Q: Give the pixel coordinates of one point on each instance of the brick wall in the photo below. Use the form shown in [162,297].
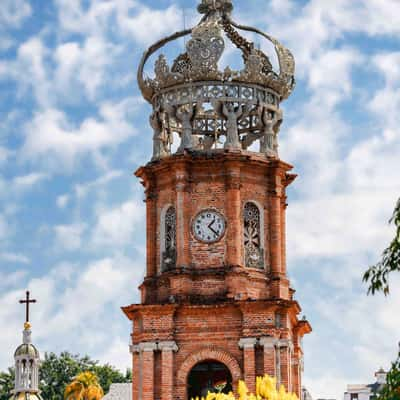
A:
[211,306]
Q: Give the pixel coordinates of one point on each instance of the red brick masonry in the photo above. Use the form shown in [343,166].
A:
[210,306]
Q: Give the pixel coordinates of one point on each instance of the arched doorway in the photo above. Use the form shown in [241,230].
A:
[208,376]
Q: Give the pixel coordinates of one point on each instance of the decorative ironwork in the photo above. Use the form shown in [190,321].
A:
[208,108]
[254,254]
[169,254]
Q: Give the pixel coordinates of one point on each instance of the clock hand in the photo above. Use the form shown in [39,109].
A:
[211,229]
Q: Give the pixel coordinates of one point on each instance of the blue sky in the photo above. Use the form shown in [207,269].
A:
[73,128]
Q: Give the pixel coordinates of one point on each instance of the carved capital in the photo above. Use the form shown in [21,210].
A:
[134,348]
[181,181]
[247,343]
[285,343]
[268,342]
[168,346]
[147,346]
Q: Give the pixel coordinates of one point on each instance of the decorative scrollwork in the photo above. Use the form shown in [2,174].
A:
[169,254]
[254,254]
[208,108]
[206,47]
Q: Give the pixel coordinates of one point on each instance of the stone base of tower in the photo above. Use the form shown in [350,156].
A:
[249,338]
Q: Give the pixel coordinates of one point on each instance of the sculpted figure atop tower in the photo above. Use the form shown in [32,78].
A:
[216,302]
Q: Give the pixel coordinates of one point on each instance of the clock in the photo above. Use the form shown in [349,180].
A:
[209,226]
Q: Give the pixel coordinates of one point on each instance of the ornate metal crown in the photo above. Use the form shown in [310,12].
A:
[207,108]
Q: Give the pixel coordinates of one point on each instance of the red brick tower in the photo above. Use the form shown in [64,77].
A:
[217,305]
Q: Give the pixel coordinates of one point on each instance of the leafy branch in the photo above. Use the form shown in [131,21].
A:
[391,390]
[378,275]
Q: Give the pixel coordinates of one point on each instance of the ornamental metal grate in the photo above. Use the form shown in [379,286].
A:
[254,254]
[169,254]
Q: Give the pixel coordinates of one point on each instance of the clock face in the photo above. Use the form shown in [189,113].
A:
[209,226]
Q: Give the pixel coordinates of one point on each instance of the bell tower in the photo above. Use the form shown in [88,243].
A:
[216,301]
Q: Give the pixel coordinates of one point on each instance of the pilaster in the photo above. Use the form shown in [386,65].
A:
[249,362]
[151,227]
[269,343]
[276,235]
[147,366]
[233,215]
[182,217]
[285,348]
[167,368]
[136,372]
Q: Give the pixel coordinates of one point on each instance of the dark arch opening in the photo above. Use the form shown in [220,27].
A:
[209,376]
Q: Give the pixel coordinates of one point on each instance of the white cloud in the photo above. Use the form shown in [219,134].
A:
[339,225]
[94,19]
[14,258]
[129,17]
[5,44]
[91,288]
[62,201]
[51,137]
[30,70]
[82,189]
[4,227]
[332,70]
[27,181]
[69,237]
[149,25]
[14,12]
[4,154]
[83,65]
[115,226]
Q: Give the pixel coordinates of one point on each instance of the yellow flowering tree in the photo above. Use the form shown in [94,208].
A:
[265,390]
[85,386]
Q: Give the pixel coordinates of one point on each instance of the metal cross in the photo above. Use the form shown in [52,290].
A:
[27,302]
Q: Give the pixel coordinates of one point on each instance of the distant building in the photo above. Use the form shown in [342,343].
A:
[119,391]
[366,391]
[305,394]
[27,361]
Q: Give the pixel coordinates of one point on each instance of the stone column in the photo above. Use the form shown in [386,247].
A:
[233,215]
[136,372]
[182,223]
[269,343]
[249,362]
[167,368]
[147,374]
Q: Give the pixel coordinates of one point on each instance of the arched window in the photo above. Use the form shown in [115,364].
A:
[169,245]
[254,253]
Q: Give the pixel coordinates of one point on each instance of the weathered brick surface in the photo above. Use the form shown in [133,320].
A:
[147,374]
[211,301]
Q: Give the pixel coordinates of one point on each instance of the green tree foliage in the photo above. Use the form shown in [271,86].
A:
[56,372]
[6,383]
[391,391]
[377,276]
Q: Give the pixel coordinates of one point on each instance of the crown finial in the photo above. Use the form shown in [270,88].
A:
[209,108]
[207,6]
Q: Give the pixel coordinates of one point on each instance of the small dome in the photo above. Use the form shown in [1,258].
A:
[26,396]
[27,350]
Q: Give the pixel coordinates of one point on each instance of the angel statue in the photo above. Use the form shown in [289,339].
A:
[185,115]
[232,115]
[271,120]
[159,142]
